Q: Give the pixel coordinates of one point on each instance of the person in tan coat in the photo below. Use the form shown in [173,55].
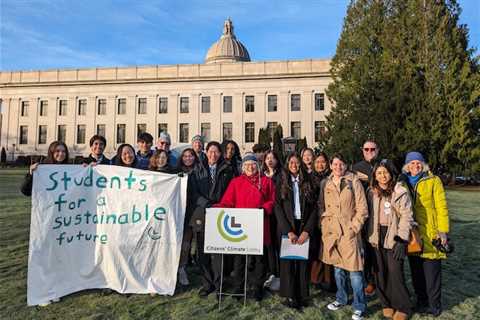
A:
[388,226]
[343,211]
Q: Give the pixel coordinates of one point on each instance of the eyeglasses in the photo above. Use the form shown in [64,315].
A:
[163,143]
[369,149]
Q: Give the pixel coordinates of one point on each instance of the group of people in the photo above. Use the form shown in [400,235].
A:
[358,221]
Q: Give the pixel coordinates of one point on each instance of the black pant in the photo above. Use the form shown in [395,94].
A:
[211,264]
[256,270]
[427,281]
[294,276]
[389,278]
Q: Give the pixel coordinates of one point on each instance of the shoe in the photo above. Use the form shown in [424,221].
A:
[400,316]
[357,315]
[421,307]
[204,292]
[275,286]
[370,290]
[182,276]
[44,304]
[304,303]
[258,294]
[290,303]
[334,306]
[269,281]
[388,313]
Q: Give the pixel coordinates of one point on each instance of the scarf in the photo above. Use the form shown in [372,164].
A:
[413,180]
[254,180]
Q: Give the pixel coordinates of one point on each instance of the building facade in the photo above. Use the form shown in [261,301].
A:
[228,97]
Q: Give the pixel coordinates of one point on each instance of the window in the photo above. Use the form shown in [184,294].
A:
[62,133]
[163,105]
[43,108]
[227,131]
[295,131]
[319,130]
[141,128]
[319,101]
[249,104]
[272,103]
[82,107]
[271,127]
[121,128]
[183,132]
[42,134]
[249,132]
[142,105]
[62,107]
[205,104]
[227,104]
[122,106]
[23,135]
[205,131]
[24,111]
[295,102]
[162,127]
[183,104]
[101,130]
[81,128]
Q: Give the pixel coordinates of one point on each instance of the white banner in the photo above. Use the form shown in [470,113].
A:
[104,227]
[234,231]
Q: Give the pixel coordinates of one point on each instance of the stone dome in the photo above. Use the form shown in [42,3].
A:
[227,48]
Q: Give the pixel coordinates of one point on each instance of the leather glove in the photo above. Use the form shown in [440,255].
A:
[399,250]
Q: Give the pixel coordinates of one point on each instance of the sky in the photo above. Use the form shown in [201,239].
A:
[50,34]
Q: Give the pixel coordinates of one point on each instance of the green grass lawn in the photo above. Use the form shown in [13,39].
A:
[461,276]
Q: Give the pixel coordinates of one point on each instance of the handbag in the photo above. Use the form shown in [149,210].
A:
[415,242]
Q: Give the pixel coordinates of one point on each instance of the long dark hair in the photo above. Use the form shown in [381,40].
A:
[390,167]
[181,166]
[118,157]
[236,153]
[51,150]
[305,185]
[278,167]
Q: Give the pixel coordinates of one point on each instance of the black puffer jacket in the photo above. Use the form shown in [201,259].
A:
[203,194]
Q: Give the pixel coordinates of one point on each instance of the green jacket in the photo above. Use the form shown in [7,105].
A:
[430,212]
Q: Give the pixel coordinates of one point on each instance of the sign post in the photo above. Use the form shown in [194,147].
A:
[234,231]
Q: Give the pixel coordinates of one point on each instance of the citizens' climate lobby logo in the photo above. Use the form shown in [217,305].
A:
[228,229]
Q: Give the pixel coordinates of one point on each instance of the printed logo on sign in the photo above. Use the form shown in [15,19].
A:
[228,229]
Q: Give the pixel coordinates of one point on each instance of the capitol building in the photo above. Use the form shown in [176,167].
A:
[226,97]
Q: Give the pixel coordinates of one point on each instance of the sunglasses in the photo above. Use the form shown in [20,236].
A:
[369,149]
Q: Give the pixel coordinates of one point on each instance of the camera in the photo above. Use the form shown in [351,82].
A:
[447,248]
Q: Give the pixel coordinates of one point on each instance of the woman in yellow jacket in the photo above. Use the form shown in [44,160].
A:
[431,214]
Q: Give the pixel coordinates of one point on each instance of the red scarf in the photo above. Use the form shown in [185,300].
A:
[254,180]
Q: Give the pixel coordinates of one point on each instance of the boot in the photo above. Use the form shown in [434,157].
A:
[400,316]
[388,313]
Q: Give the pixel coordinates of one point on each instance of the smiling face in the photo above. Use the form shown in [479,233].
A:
[270,161]
[294,166]
[60,153]
[415,167]
[127,155]
[197,145]
[213,154]
[163,145]
[320,164]
[370,151]
[250,168]
[383,177]
[338,167]
[162,160]
[188,159]
[307,158]
[144,146]
[97,147]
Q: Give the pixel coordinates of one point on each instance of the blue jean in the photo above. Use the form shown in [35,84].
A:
[356,280]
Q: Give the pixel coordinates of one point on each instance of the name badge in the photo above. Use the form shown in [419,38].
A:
[387,207]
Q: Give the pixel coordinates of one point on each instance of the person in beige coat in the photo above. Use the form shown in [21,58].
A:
[343,211]
[388,227]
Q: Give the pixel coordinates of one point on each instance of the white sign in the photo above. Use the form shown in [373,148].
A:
[291,251]
[104,227]
[234,231]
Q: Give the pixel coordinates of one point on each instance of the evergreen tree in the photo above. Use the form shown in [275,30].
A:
[277,142]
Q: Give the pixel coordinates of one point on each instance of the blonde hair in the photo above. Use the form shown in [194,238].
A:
[425,167]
